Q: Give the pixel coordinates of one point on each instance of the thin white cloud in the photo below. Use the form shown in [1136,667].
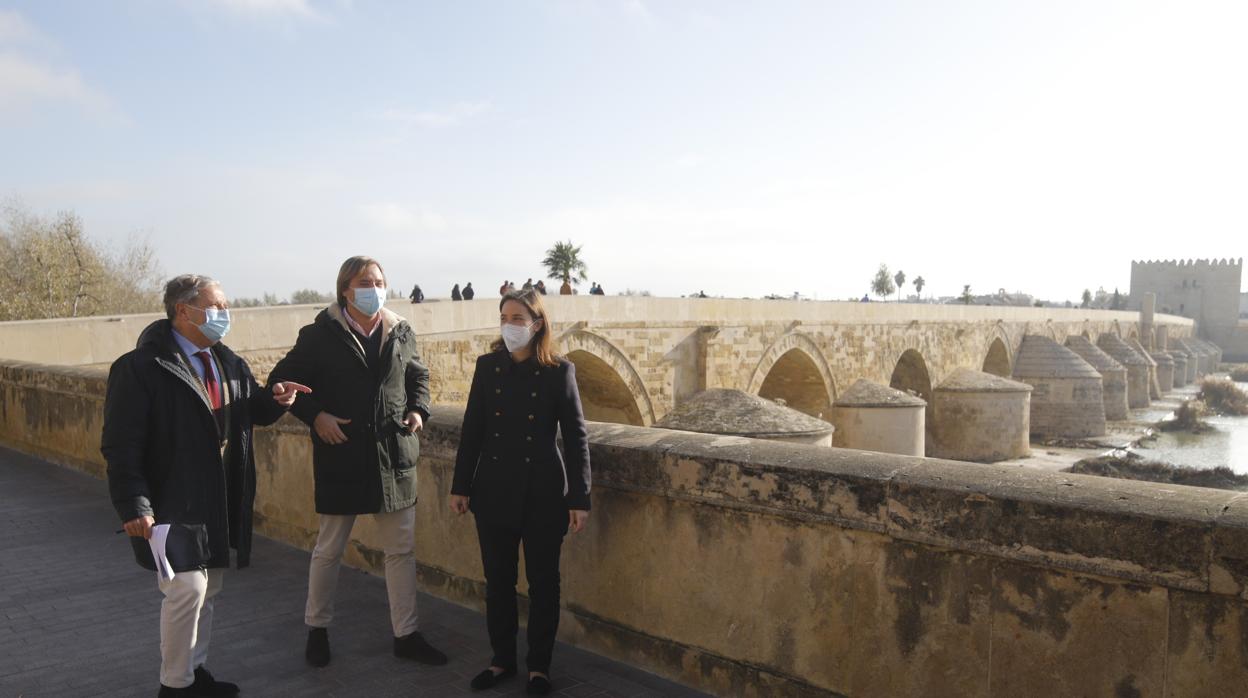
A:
[397,218]
[436,118]
[15,29]
[28,80]
[637,9]
[298,9]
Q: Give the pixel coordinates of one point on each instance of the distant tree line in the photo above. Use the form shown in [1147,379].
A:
[50,268]
[884,285]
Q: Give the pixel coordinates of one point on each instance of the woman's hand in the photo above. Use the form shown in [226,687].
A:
[459,504]
[577,519]
[327,427]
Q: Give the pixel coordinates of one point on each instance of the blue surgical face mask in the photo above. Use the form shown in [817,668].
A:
[368,300]
[216,323]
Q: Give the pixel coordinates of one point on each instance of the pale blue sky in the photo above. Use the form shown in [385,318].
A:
[741,148]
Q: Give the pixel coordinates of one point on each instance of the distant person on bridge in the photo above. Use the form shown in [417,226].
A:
[469,294]
[528,285]
[371,397]
[540,287]
[509,472]
[455,294]
[502,290]
[417,295]
[177,440]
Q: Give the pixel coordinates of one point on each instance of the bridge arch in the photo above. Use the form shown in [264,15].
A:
[997,359]
[611,389]
[794,370]
[911,374]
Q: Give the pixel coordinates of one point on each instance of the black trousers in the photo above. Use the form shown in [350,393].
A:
[500,558]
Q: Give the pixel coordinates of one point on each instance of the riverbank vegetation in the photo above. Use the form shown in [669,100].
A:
[1131,466]
[1223,397]
[1189,418]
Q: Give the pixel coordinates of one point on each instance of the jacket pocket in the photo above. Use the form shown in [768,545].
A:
[404,449]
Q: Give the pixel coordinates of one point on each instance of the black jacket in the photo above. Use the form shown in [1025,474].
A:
[509,462]
[375,470]
[164,450]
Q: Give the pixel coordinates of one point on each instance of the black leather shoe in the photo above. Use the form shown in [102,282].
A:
[167,692]
[414,647]
[487,679]
[317,651]
[538,686]
[205,685]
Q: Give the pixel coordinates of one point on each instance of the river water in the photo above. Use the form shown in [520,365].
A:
[1228,445]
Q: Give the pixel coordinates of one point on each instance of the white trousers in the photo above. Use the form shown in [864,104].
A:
[186,624]
[397,531]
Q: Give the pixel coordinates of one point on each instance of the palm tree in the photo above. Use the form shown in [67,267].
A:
[919,283]
[563,262]
[900,278]
[966,294]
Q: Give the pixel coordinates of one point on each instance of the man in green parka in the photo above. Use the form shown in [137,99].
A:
[372,396]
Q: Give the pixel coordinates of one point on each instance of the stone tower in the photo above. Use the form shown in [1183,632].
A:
[1205,290]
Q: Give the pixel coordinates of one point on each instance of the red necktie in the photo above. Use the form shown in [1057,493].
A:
[210,380]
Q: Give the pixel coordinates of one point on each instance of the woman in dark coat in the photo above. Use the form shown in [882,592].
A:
[510,474]
[371,397]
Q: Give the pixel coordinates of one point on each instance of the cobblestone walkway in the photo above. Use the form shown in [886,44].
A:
[79,618]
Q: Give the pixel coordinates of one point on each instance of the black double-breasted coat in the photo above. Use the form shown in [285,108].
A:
[375,470]
[508,462]
[168,458]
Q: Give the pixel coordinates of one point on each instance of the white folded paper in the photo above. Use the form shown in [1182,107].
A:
[160,533]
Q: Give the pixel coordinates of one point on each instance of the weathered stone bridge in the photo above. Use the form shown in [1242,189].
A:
[639,357]
[755,568]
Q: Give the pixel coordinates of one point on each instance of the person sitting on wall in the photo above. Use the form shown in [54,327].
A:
[469,294]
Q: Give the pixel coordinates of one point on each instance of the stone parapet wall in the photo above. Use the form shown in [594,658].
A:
[756,568]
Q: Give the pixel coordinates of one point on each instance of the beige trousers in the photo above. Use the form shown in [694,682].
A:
[397,531]
[186,624]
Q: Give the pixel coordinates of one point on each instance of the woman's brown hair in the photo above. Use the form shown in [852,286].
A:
[543,343]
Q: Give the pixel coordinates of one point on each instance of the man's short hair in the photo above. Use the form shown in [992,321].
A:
[184,289]
[352,268]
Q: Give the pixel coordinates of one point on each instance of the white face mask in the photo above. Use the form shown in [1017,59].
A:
[517,337]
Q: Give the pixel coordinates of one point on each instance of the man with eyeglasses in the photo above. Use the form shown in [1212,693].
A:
[178,418]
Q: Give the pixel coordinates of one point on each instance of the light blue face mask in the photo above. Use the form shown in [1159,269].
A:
[216,323]
[368,300]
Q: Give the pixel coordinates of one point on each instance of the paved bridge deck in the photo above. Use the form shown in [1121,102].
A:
[79,618]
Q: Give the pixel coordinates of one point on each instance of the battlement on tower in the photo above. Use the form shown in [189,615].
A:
[1188,264]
